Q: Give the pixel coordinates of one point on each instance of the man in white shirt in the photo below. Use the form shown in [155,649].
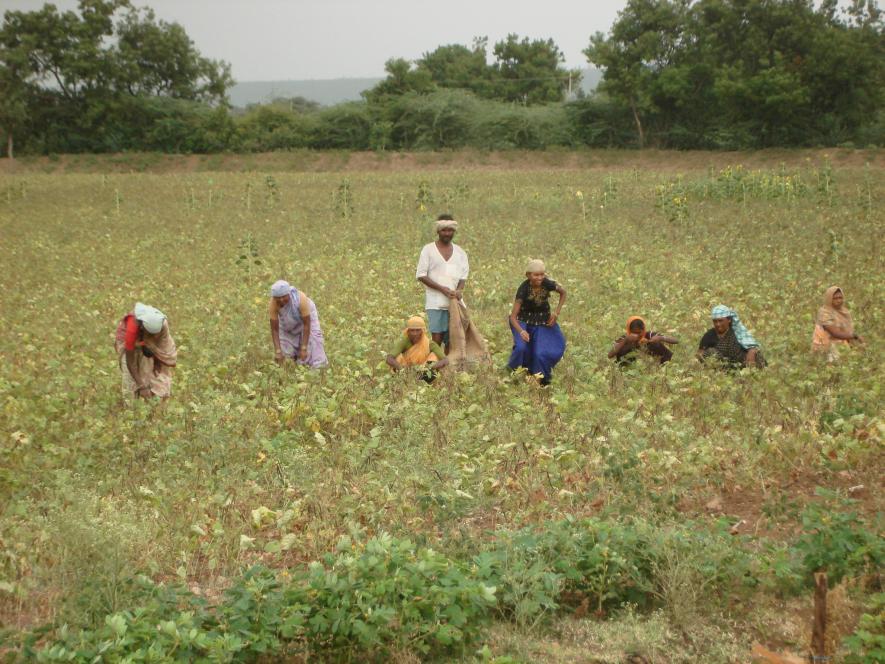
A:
[442,268]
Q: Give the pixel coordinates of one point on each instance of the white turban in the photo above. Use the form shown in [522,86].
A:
[151,317]
[280,288]
[446,223]
[535,265]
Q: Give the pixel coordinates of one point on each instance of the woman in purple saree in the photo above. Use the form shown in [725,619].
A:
[295,327]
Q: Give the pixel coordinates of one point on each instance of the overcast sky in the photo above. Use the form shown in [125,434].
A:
[267,40]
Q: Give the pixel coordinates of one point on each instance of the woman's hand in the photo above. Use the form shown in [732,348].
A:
[302,354]
[858,339]
[524,335]
[144,392]
[552,320]
[278,357]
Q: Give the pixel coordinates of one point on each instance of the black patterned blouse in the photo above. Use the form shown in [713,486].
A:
[535,307]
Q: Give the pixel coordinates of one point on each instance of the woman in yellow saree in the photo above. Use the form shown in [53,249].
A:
[833,325]
[415,348]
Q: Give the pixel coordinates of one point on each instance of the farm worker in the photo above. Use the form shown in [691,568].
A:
[538,343]
[443,269]
[638,339]
[295,327]
[730,341]
[146,353]
[416,349]
[833,326]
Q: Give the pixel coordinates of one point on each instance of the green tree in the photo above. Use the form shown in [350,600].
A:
[14,91]
[457,66]
[643,43]
[743,73]
[274,128]
[529,71]
[402,77]
[156,58]
[344,126]
[438,120]
[76,72]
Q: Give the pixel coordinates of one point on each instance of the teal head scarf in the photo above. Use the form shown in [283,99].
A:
[741,333]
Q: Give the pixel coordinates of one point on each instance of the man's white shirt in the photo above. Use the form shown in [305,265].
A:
[444,272]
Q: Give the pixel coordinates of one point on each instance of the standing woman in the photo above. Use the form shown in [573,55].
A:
[833,326]
[146,353]
[295,327]
[538,343]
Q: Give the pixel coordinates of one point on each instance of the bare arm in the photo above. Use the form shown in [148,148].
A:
[460,289]
[392,363]
[514,320]
[663,338]
[630,342]
[562,296]
[275,338]
[304,308]
[444,362]
[750,360]
[555,315]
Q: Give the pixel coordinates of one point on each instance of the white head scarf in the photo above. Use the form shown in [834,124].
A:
[535,265]
[280,288]
[446,223]
[151,317]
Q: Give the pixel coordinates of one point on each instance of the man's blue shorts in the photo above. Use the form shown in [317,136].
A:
[438,322]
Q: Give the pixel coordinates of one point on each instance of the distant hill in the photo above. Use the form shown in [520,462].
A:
[335,90]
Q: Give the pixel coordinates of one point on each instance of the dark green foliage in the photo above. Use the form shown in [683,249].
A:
[362,600]
[527,71]
[345,126]
[72,79]
[600,122]
[387,594]
[440,120]
[500,126]
[837,541]
[717,74]
[268,128]
[721,73]
[457,66]
[867,644]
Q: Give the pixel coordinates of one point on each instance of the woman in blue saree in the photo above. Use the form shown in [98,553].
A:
[538,343]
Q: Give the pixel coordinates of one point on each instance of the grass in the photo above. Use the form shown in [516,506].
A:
[250,463]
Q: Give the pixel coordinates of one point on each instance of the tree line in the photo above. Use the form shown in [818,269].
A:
[712,74]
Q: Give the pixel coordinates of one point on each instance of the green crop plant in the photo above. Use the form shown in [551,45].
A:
[105,505]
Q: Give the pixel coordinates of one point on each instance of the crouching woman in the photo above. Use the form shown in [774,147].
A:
[146,353]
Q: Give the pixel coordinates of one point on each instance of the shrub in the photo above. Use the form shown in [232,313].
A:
[837,541]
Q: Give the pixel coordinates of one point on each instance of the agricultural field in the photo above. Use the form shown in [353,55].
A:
[264,513]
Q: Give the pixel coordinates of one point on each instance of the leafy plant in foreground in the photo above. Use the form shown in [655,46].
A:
[867,644]
[837,541]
